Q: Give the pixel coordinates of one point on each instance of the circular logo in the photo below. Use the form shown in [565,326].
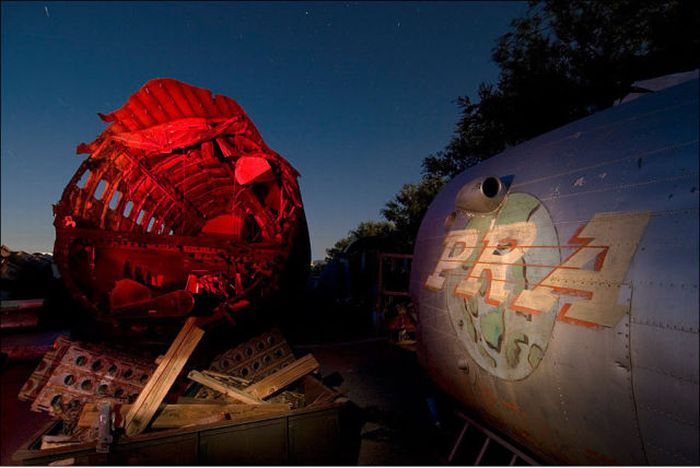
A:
[507,343]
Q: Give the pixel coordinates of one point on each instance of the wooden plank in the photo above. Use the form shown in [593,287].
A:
[63,462]
[225,377]
[18,319]
[396,293]
[27,353]
[318,394]
[213,418]
[90,414]
[159,384]
[261,412]
[183,400]
[234,393]
[283,377]
[179,415]
[49,441]
[21,304]
[182,415]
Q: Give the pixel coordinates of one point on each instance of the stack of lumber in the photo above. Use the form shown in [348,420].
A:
[262,375]
[261,378]
[257,393]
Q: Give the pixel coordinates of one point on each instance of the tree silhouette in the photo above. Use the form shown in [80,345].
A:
[363,230]
[564,60]
[559,62]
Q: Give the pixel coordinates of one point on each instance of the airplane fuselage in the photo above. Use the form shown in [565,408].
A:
[557,286]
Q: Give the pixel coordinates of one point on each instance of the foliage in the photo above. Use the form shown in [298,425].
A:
[564,60]
[406,210]
[317,267]
[559,62]
[364,230]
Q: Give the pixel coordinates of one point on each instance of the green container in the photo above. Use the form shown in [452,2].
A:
[314,436]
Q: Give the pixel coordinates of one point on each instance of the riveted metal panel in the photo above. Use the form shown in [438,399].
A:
[305,432]
[325,436]
[621,391]
[260,443]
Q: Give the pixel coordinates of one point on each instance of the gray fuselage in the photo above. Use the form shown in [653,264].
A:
[567,316]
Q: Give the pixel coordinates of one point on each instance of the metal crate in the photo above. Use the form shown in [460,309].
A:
[328,435]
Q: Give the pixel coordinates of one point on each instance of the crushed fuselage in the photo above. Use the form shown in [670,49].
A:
[180,202]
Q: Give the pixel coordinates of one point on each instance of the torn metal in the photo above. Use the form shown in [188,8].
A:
[73,373]
[180,205]
[249,362]
[132,398]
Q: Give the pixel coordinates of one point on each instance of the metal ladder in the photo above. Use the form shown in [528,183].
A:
[516,453]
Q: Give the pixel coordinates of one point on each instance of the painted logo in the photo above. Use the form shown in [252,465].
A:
[507,279]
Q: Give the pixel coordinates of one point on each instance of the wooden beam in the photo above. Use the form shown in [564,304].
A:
[183,415]
[21,304]
[26,353]
[283,377]
[159,384]
[226,377]
[227,390]
[173,416]
[183,400]
[317,394]
[91,413]
[18,319]
[49,441]
[212,418]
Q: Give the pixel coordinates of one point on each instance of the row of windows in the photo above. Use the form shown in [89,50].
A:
[99,194]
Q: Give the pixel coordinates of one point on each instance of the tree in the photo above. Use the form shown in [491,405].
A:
[403,215]
[406,210]
[363,230]
[559,62]
[563,61]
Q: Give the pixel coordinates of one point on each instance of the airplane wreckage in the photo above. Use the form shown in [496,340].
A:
[556,283]
[182,212]
[179,204]
[557,286]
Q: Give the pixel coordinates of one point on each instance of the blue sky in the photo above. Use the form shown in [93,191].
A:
[354,95]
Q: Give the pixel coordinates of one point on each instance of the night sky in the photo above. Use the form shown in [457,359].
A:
[354,95]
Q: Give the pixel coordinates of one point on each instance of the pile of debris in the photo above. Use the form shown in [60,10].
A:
[24,275]
[25,279]
[180,207]
[102,395]
[402,328]
[28,288]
